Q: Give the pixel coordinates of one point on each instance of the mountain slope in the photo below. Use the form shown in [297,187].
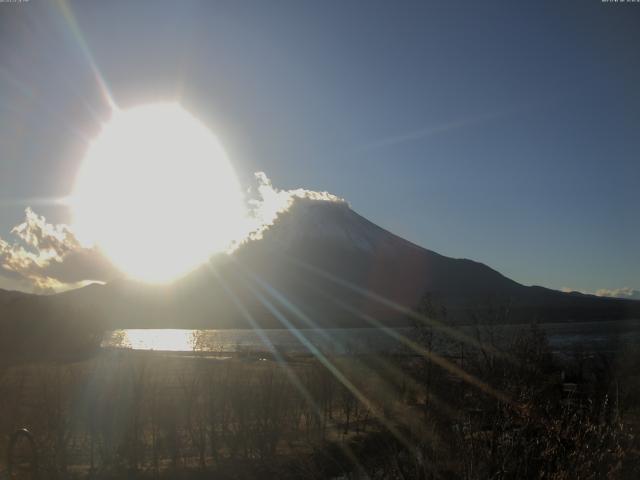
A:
[317,241]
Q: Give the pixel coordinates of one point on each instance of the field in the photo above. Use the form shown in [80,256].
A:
[501,411]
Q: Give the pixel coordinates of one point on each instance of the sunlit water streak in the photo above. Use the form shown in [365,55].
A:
[563,337]
[171,340]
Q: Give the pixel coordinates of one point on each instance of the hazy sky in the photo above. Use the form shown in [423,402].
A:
[506,132]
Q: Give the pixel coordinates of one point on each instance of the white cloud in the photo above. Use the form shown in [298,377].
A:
[267,202]
[49,258]
[624,292]
[572,290]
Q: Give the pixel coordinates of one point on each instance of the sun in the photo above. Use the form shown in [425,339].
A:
[157,193]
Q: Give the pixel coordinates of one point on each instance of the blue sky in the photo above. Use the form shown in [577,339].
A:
[506,132]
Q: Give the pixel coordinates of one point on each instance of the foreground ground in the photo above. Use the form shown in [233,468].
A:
[494,411]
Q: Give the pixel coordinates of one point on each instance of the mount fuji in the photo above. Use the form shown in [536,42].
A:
[319,265]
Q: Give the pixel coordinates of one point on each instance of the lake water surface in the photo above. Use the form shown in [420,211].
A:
[601,336]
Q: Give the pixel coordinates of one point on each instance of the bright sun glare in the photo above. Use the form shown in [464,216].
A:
[157,193]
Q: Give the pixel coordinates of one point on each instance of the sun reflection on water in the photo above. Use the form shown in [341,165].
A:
[170,340]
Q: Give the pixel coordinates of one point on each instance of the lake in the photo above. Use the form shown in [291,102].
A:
[601,336]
